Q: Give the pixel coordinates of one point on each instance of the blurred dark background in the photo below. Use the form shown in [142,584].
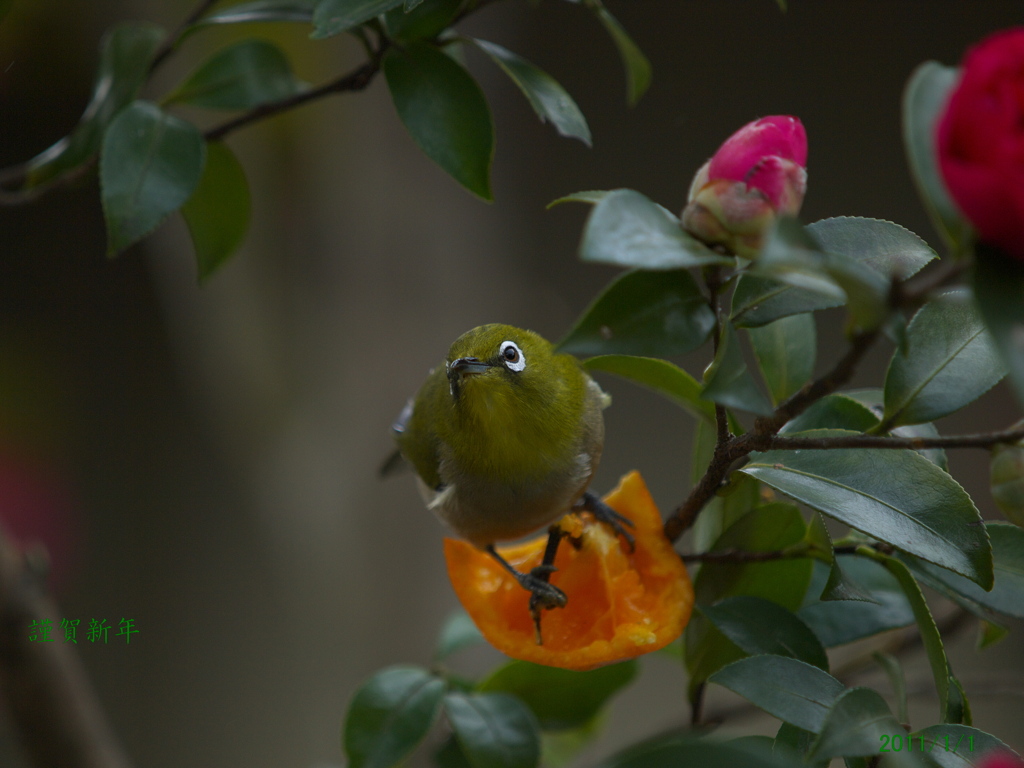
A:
[205,458]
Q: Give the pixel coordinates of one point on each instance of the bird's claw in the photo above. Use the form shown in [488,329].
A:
[543,595]
[605,514]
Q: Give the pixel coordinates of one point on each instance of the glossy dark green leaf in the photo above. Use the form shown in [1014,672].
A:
[840,622]
[495,730]
[888,249]
[661,376]
[422,21]
[794,255]
[956,746]
[242,76]
[643,313]
[930,637]
[759,626]
[1006,480]
[767,528]
[728,381]
[853,726]
[549,100]
[874,400]
[217,214]
[785,350]
[591,196]
[150,164]
[791,690]
[332,17]
[1007,594]
[894,671]
[758,301]
[458,632]
[445,112]
[923,100]
[263,11]
[628,230]
[836,411]
[125,54]
[738,496]
[896,496]
[840,586]
[450,755]
[389,716]
[958,708]
[999,293]
[560,698]
[638,68]
[791,741]
[950,361]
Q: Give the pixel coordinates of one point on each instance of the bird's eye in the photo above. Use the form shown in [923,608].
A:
[513,356]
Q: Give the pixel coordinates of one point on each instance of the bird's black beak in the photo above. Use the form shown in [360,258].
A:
[466,366]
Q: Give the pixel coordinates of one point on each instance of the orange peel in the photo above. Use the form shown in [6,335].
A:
[621,604]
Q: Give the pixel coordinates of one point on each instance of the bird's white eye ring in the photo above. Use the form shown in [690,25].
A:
[513,356]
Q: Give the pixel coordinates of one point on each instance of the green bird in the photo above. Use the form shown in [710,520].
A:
[505,438]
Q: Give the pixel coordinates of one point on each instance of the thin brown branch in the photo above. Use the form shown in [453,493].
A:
[165,50]
[356,80]
[43,684]
[986,441]
[747,556]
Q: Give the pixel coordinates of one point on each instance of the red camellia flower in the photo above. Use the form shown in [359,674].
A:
[757,174]
[980,141]
[1001,759]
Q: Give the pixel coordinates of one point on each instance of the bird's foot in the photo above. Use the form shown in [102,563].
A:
[543,594]
[588,502]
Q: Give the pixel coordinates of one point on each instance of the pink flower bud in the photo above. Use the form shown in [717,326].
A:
[980,141]
[756,175]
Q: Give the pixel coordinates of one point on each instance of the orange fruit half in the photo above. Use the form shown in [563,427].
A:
[621,604]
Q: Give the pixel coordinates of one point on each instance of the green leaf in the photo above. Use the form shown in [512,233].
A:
[591,196]
[689,752]
[930,637]
[873,399]
[950,361]
[738,496]
[628,230]
[445,112]
[728,381]
[262,11]
[495,730]
[841,587]
[458,632]
[389,715]
[757,301]
[561,699]
[958,708]
[661,376]
[125,53]
[559,749]
[242,76]
[956,746]
[767,528]
[923,100]
[836,411]
[791,690]
[450,755]
[643,313]
[549,100]
[794,255]
[217,214]
[759,626]
[785,350]
[989,633]
[422,21]
[332,17]
[638,68]
[853,727]
[840,622]
[888,249]
[897,496]
[999,292]
[1007,593]
[150,165]
[894,671]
